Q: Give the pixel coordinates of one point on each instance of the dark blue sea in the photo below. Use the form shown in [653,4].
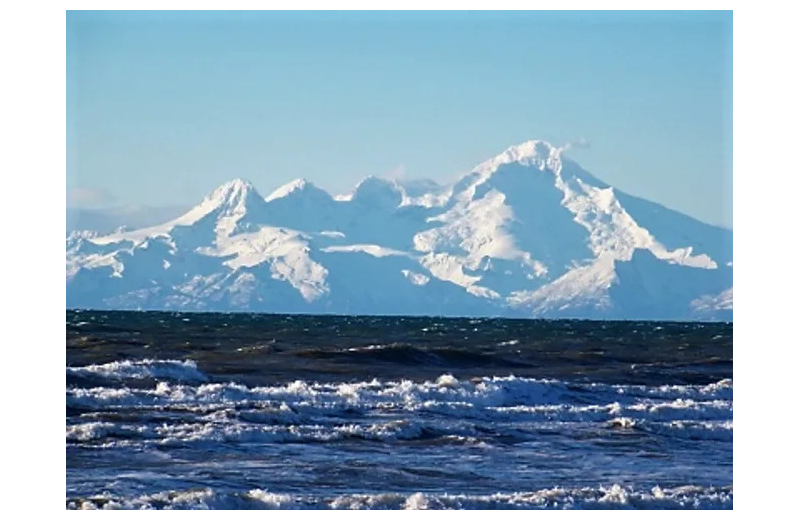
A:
[238,411]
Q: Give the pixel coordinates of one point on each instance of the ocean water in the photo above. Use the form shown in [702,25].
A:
[237,411]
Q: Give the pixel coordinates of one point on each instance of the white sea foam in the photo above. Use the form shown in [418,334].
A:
[303,411]
[270,500]
[614,496]
[186,499]
[318,397]
[611,497]
[695,430]
[216,431]
[492,398]
[148,368]
[622,422]
[720,390]
[88,431]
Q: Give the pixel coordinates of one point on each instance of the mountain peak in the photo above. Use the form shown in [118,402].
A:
[231,191]
[372,182]
[291,186]
[530,153]
[232,197]
[378,191]
[300,189]
[533,148]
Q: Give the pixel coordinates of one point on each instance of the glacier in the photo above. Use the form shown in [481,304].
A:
[526,234]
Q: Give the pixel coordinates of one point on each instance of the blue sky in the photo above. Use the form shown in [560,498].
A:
[164,106]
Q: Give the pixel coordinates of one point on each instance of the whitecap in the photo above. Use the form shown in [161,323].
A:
[178,370]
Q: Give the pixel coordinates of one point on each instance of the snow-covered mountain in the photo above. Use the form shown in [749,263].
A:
[528,233]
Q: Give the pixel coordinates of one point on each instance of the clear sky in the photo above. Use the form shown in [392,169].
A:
[164,106]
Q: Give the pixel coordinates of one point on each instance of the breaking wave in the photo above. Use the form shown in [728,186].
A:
[446,408]
[169,369]
[611,497]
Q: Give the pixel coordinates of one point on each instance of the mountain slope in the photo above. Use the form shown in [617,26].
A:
[527,233]
[106,221]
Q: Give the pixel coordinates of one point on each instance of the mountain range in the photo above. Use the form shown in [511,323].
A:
[528,234]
